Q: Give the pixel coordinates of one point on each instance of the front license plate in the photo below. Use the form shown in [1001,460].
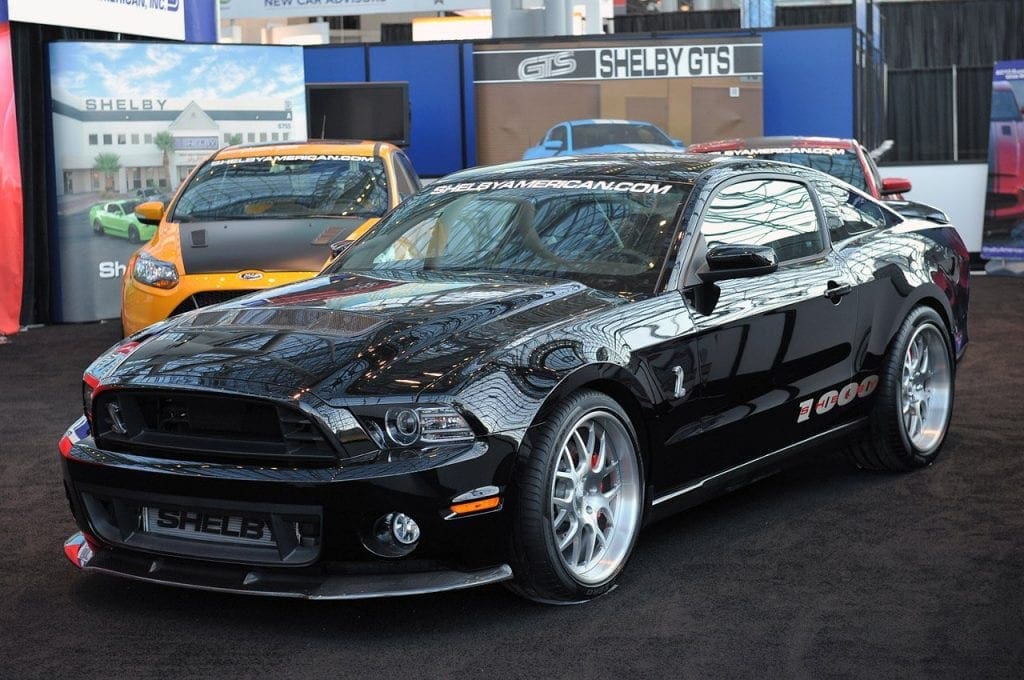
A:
[215,526]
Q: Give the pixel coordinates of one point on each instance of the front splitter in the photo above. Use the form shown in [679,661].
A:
[254,581]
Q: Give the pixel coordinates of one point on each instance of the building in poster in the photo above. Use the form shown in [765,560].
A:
[131,129]
[130,120]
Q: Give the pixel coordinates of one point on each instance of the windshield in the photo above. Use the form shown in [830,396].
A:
[599,134]
[1004,105]
[608,234]
[285,186]
[837,162]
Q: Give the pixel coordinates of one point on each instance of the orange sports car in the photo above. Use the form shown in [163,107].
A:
[253,217]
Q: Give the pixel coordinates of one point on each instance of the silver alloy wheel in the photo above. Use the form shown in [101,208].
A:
[925,388]
[595,498]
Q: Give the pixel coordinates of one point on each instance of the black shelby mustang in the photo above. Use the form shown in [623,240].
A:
[511,373]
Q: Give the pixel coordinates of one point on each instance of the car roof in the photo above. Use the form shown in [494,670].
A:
[361,147]
[604,121]
[780,141]
[670,167]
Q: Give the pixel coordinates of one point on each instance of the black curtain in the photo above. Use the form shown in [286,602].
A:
[920,115]
[814,15]
[962,32]
[30,56]
[677,21]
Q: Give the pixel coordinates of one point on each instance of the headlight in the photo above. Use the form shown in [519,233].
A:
[419,426]
[154,272]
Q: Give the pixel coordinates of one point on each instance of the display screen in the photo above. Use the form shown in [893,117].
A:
[377,111]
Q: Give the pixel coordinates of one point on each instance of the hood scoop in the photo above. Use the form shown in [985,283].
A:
[336,322]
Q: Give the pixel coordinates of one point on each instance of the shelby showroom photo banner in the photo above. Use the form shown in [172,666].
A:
[155,18]
[254,9]
[618,63]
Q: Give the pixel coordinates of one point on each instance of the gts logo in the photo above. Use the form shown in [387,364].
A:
[833,398]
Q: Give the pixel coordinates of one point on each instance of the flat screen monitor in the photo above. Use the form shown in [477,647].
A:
[378,111]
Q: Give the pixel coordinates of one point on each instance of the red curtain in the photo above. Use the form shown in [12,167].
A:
[11,256]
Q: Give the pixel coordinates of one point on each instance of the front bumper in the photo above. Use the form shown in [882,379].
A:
[112,494]
[271,583]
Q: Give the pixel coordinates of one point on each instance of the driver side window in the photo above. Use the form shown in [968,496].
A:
[557,134]
[765,212]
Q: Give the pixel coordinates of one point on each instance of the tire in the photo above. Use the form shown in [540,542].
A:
[575,501]
[133,235]
[913,408]
[97,228]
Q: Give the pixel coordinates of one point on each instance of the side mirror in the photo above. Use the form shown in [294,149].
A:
[554,145]
[678,143]
[895,185]
[150,212]
[738,261]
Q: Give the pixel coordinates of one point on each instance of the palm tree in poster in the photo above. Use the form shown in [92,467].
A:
[165,142]
[108,164]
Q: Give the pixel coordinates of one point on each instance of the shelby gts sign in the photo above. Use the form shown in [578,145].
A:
[618,63]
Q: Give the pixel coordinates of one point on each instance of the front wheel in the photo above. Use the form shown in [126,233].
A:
[915,401]
[133,235]
[97,228]
[580,501]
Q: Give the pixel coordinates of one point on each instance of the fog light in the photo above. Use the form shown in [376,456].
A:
[395,534]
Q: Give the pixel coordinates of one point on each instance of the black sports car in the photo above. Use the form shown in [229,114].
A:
[511,373]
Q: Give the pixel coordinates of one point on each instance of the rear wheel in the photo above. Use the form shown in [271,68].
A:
[915,401]
[580,501]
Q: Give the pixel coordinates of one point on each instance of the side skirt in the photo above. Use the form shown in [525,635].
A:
[740,475]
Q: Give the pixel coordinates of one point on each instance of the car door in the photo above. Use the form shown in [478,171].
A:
[118,221]
[776,355]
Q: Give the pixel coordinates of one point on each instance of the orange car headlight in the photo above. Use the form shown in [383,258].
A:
[154,272]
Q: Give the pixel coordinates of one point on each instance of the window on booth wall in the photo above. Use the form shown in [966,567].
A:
[122,138]
[263,136]
[274,137]
[251,137]
[94,140]
[108,140]
[135,138]
[147,138]
[765,212]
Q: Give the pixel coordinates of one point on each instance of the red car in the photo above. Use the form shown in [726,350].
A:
[842,158]
[1005,200]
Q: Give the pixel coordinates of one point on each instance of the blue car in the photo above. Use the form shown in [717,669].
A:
[596,135]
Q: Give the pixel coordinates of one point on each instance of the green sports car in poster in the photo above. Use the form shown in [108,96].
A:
[117,218]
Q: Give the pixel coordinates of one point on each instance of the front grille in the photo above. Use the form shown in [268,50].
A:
[206,298]
[254,533]
[207,427]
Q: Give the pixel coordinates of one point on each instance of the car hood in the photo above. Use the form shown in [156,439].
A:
[349,336]
[290,245]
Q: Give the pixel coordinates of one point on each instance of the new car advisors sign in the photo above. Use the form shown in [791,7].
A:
[618,63]
[246,9]
[156,18]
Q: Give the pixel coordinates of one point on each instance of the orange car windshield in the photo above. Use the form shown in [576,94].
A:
[285,187]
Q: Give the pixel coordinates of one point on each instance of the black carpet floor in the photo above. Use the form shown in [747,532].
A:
[821,571]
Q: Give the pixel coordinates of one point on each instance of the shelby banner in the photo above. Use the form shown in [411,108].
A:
[1003,239]
[155,18]
[130,121]
[617,63]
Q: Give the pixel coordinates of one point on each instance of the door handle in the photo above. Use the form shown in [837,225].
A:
[835,291]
